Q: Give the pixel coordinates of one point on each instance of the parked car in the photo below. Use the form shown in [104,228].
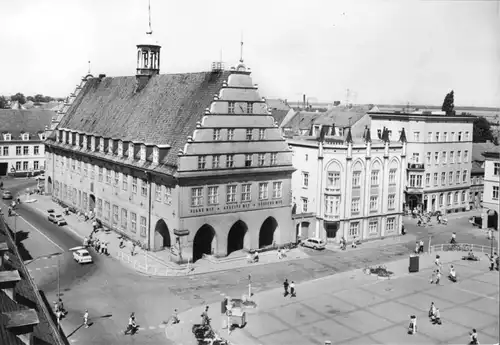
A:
[314,243]
[81,255]
[57,219]
[7,195]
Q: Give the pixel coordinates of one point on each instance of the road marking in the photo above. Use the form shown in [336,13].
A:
[38,269]
[46,267]
[55,244]
[152,327]
[67,226]
[54,266]
[141,328]
[162,326]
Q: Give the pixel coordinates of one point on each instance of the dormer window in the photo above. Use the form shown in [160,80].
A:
[70,138]
[77,139]
[25,136]
[156,155]
[64,134]
[58,136]
[101,145]
[110,146]
[92,143]
[7,137]
[131,150]
[143,152]
[120,148]
[84,142]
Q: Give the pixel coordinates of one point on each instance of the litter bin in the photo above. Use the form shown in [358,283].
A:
[238,317]
[414,264]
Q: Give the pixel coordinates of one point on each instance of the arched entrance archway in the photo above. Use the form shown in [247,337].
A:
[92,202]
[162,235]
[266,233]
[49,185]
[492,219]
[202,243]
[237,237]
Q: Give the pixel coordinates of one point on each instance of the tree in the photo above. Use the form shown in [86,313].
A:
[449,103]
[38,98]
[18,97]
[3,103]
[30,99]
[481,131]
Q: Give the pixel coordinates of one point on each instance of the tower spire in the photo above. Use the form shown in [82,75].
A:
[241,48]
[89,68]
[149,14]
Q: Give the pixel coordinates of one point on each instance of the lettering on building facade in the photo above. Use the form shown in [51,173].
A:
[235,207]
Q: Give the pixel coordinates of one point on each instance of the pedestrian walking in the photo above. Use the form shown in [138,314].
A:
[86,319]
[121,242]
[438,276]
[436,320]
[412,327]
[417,248]
[292,289]
[421,246]
[473,337]
[205,320]
[105,248]
[285,287]
[175,317]
[132,250]
[492,261]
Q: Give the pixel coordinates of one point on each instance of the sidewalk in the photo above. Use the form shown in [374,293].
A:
[262,322]
[398,239]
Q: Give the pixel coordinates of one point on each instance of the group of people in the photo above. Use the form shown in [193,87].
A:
[59,309]
[253,257]
[434,314]
[343,243]
[419,247]
[291,286]
[493,261]
[100,247]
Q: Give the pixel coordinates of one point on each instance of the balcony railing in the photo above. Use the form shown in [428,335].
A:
[332,189]
[416,166]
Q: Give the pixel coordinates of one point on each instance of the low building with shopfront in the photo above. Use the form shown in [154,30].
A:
[192,163]
[347,186]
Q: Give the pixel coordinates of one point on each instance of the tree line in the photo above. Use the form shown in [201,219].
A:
[22,99]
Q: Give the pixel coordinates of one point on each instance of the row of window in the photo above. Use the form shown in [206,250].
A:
[217,134]
[443,136]
[231,106]
[114,178]
[24,136]
[442,157]
[20,150]
[453,198]
[373,225]
[333,178]
[333,203]
[216,160]
[232,192]
[103,209]
[25,166]
[453,177]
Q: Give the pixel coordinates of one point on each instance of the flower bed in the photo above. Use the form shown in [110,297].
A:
[205,336]
[380,271]
[239,303]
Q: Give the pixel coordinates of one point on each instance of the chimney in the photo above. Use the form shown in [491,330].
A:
[304,101]
[8,281]
[21,323]
[4,248]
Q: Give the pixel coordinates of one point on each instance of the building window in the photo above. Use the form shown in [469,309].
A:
[416,136]
[7,137]
[5,150]
[115,215]
[106,210]
[464,176]
[202,162]
[452,156]
[230,134]
[355,205]
[229,161]
[444,157]
[354,229]
[390,225]
[495,192]
[262,134]
[277,190]
[248,160]
[459,136]
[167,195]
[429,136]
[466,156]
[213,195]
[249,134]
[133,222]
[26,150]
[392,176]
[108,176]
[391,201]
[373,203]
[78,167]
[436,158]
[125,182]
[261,159]
[215,161]
[230,107]
[333,179]
[428,158]
[415,157]
[304,204]
[443,178]
[496,168]
[246,194]
[73,164]
[143,227]
[274,158]
[450,177]
[464,196]
[144,188]
[448,197]
[306,157]
[36,150]
[457,177]
[263,191]
[249,108]
[36,165]
[455,198]
[332,205]
[356,179]
[99,207]
[216,134]
[437,136]
[158,192]
[374,178]
[196,197]
[231,193]
[305,179]
[428,179]
[459,156]
[373,227]
[18,151]
[124,219]
[25,166]
[441,200]
[466,136]
[100,174]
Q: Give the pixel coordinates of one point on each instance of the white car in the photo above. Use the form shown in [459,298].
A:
[314,243]
[82,256]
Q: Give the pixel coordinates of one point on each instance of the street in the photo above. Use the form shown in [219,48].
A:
[110,291]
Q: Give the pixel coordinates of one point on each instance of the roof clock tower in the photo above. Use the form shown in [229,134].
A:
[148,53]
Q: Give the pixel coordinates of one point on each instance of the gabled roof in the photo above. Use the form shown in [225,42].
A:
[479,148]
[28,121]
[164,112]
[278,104]
[279,115]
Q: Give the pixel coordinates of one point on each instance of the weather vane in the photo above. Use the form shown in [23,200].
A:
[241,48]
[149,13]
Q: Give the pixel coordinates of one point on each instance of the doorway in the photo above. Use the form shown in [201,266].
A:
[236,237]
[202,243]
[162,236]
[266,233]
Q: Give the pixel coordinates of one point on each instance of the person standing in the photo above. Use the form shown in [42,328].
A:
[473,337]
[438,276]
[421,246]
[285,287]
[292,289]
[132,250]
[86,319]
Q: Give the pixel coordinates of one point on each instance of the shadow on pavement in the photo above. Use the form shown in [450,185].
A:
[20,236]
[52,315]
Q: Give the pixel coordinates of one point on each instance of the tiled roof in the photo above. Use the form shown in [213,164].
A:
[479,148]
[26,298]
[164,112]
[277,104]
[340,117]
[28,121]
[279,115]
[477,168]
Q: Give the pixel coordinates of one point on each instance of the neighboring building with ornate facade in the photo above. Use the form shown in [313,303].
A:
[192,162]
[439,157]
[347,186]
[22,133]
[477,174]
[491,197]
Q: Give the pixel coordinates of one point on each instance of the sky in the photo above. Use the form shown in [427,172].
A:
[384,52]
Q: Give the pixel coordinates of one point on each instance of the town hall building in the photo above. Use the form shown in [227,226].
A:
[191,162]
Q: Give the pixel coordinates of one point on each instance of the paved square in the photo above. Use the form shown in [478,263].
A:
[327,329]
